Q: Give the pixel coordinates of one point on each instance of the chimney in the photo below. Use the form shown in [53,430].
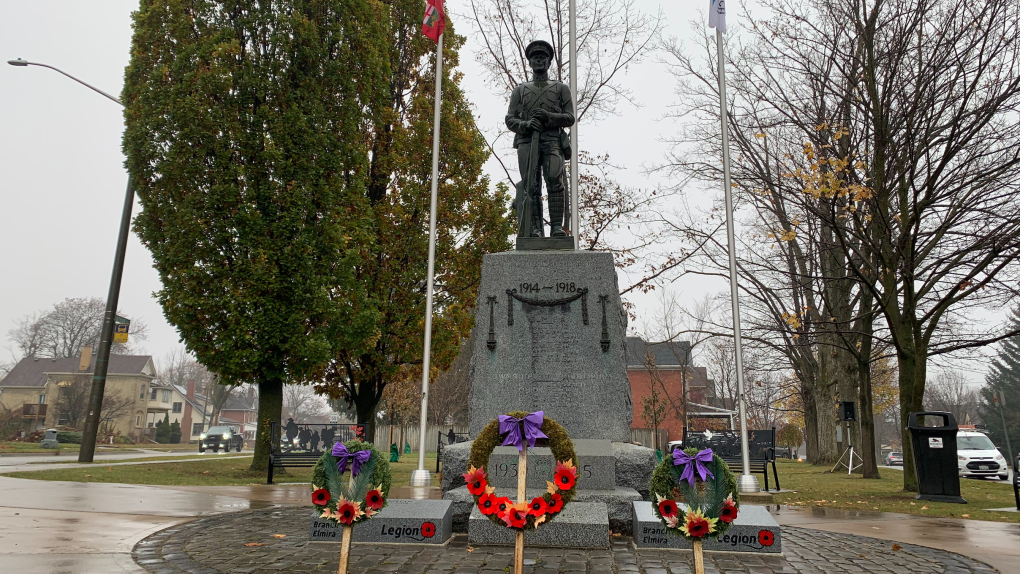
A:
[191,390]
[251,393]
[86,358]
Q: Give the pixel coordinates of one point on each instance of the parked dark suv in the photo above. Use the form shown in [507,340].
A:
[223,437]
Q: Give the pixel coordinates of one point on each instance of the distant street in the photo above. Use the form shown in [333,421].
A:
[30,462]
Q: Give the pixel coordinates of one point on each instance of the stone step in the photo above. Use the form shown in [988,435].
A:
[596,468]
[617,500]
[400,522]
[745,535]
[579,525]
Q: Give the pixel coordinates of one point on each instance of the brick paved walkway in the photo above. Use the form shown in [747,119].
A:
[217,544]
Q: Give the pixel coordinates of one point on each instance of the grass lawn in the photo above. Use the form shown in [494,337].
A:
[815,486]
[18,447]
[202,471]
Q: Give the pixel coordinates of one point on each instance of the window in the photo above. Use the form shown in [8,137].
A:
[177,407]
[141,394]
[42,399]
[196,429]
[166,396]
[138,419]
[152,394]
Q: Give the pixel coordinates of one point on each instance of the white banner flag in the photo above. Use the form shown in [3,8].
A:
[717,15]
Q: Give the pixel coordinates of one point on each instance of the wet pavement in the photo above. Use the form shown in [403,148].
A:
[276,540]
[997,543]
[80,528]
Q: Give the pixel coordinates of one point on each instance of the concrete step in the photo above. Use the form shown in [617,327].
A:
[579,525]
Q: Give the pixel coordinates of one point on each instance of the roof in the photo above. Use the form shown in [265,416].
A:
[240,401]
[666,354]
[32,372]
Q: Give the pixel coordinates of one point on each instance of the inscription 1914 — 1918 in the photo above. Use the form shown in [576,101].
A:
[561,287]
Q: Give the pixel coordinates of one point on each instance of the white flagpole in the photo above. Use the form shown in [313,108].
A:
[747,481]
[575,217]
[421,476]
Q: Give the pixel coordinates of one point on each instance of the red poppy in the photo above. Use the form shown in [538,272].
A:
[428,529]
[488,504]
[728,513]
[374,500]
[515,517]
[565,479]
[668,508]
[320,497]
[347,512]
[538,507]
[556,504]
[697,526]
[766,538]
[502,504]
[475,479]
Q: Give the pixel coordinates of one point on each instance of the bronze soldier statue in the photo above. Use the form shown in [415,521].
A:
[539,110]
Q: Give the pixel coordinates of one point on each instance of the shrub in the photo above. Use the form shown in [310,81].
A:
[70,437]
[175,433]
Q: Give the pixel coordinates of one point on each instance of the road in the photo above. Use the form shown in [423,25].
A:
[25,463]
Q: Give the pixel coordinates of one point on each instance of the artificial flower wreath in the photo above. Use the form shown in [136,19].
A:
[365,492]
[523,430]
[705,484]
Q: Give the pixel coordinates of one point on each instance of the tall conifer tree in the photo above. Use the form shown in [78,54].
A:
[1004,376]
[246,141]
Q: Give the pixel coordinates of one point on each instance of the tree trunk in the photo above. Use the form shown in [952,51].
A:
[869,456]
[911,363]
[824,399]
[270,408]
[810,422]
[366,409]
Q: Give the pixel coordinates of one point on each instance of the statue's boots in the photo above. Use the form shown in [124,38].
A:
[556,213]
[536,217]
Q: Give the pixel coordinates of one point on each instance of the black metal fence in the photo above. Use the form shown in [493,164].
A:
[300,438]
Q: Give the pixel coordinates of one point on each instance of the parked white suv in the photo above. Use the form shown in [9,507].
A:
[978,457]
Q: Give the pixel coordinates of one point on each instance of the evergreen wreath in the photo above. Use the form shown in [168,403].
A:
[523,516]
[366,491]
[712,501]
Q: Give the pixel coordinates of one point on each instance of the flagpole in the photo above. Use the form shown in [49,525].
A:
[747,481]
[421,476]
[575,210]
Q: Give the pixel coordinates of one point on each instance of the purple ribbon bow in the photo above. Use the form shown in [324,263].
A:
[532,429]
[694,463]
[359,458]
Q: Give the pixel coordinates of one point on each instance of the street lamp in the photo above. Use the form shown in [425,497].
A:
[88,439]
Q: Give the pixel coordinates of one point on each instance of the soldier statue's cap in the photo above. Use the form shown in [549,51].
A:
[539,45]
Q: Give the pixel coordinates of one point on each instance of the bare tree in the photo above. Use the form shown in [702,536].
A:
[219,393]
[178,367]
[300,402]
[71,325]
[73,400]
[949,392]
[448,396]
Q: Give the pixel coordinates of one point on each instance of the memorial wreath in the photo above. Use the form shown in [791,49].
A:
[364,494]
[537,429]
[704,482]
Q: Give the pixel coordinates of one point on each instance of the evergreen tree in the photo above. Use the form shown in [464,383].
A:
[175,432]
[163,430]
[1004,376]
[246,142]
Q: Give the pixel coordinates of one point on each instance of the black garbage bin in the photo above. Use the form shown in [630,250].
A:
[1016,481]
[935,462]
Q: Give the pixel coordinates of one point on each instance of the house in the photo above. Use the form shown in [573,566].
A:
[52,392]
[242,410]
[668,366]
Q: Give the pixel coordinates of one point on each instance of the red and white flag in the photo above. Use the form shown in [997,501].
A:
[717,15]
[435,20]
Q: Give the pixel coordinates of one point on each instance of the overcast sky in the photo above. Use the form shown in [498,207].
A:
[62,175]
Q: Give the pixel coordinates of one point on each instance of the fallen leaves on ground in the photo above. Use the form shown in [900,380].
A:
[896,547]
[254,544]
[279,536]
[965,515]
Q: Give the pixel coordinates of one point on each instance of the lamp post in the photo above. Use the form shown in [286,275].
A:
[88,439]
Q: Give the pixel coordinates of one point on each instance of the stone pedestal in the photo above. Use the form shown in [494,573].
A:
[745,535]
[549,335]
[401,522]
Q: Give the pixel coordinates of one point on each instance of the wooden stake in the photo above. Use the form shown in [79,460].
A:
[699,558]
[522,494]
[345,549]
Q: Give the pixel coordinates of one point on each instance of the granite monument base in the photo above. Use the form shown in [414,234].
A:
[401,522]
[617,500]
[753,531]
[545,243]
[578,525]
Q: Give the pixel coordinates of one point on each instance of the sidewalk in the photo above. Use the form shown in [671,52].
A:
[995,543]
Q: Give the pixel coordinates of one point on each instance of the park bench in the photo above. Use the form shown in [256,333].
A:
[293,452]
[761,446]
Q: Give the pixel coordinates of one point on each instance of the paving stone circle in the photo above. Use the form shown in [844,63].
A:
[218,545]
